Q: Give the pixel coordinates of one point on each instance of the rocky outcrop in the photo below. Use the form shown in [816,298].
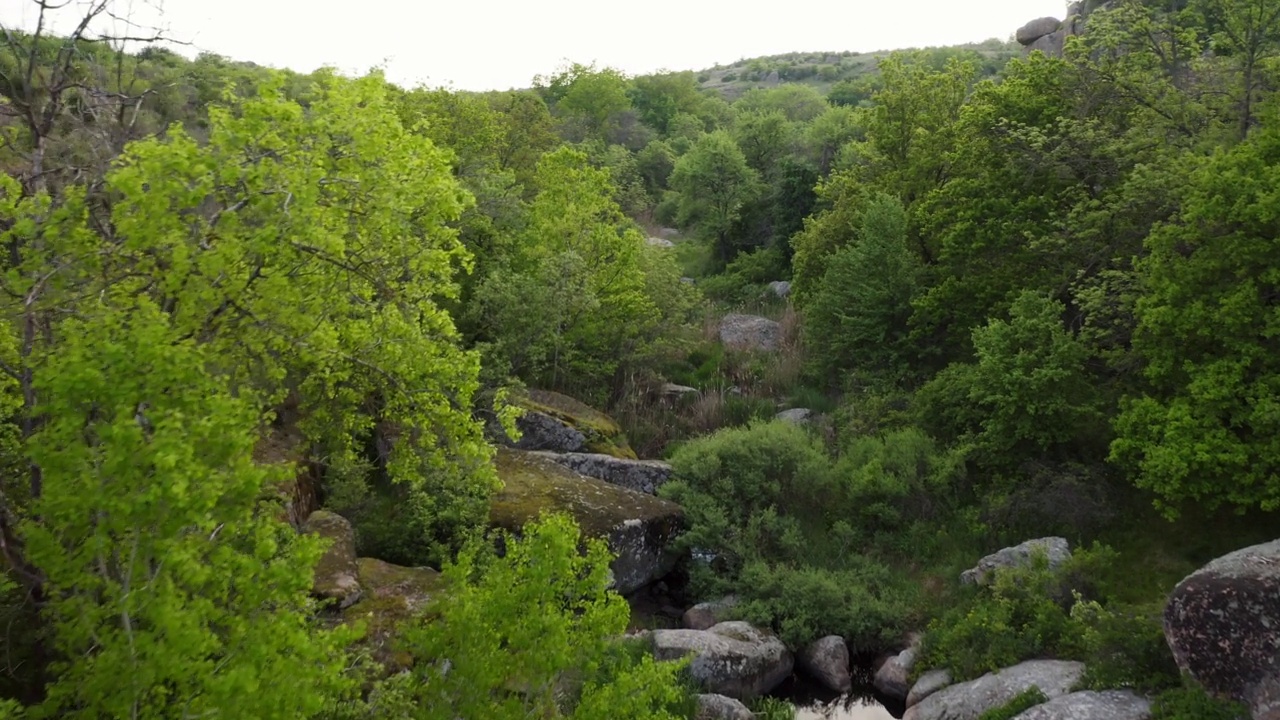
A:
[893,677]
[706,614]
[393,595]
[639,528]
[1036,29]
[1056,550]
[644,476]
[336,578]
[780,288]
[659,242]
[969,700]
[827,661]
[558,423]
[731,658]
[719,707]
[1089,705]
[539,431]
[1051,44]
[750,332]
[928,684]
[798,416]
[1223,624]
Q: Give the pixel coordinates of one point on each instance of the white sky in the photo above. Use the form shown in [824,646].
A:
[498,44]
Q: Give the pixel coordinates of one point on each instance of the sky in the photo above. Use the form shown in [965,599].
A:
[500,44]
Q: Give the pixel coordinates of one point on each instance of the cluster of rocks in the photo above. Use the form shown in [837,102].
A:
[1049,34]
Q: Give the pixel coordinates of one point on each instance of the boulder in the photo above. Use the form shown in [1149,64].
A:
[1056,549]
[1051,44]
[928,684]
[673,391]
[780,288]
[539,431]
[393,594]
[969,700]
[799,416]
[660,242]
[558,423]
[668,232]
[893,678]
[1223,624]
[639,528]
[750,332]
[706,614]
[644,476]
[1090,705]
[719,707]
[827,661]
[731,658]
[337,578]
[1036,29]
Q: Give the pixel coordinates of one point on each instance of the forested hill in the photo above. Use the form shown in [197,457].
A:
[329,399]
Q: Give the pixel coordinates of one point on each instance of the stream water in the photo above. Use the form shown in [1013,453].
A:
[814,702]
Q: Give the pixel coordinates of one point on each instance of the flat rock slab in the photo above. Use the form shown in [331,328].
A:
[969,700]
[1090,705]
[750,332]
[732,658]
[638,527]
[644,476]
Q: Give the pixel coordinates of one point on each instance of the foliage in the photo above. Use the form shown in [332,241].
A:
[1193,703]
[714,183]
[1024,700]
[771,708]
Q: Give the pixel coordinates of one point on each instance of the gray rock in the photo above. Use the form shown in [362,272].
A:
[668,232]
[539,431]
[719,707]
[928,684]
[780,288]
[704,615]
[731,658]
[688,281]
[799,416]
[1036,29]
[827,661]
[1057,550]
[660,242]
[893,678]
[1223,624]
[644,476]
[969,700]
[1090,705]
[337,576]
[674,390]
[1051,44]
[750,332]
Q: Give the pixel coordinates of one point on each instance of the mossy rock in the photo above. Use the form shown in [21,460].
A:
[393,595]
[600,432]
[638,527]
[336,574]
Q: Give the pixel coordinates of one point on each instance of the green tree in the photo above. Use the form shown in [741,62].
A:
[589,96]
[715,183]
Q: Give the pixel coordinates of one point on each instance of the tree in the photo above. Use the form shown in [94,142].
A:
[1248,31]
[715,183]
[590,96]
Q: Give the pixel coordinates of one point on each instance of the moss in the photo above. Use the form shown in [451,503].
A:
[603,434]
[393,595]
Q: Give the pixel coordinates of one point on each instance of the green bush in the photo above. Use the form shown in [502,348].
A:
[1193,703]
[898,478]
[745,277]
[772,708]
[1125,647]
[1019,703]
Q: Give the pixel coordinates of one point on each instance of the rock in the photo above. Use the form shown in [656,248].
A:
[393,595]
[644,476]
[539,431]
[731,658]
[1223,624]
[706,614]
[300,493]
[638,527]
[1036,29]
[780,288]
[559,423]
[827,661]
[928,684]
[671,390]
[688,281]
[969,700]
[1090,705]
[893,678]
[668,232]
[1056,549]
[337,577]
[750,332]
[719,707]
[799,416]
[1051,44]
[660,242]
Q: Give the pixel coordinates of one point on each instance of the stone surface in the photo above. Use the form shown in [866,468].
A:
[337,578]
[893,678]
[638,527]
[1036,29]
[798,416]
[969,700]
[780,288]
[1051,44]
[750,332]
[928,684]
[601,433]
[644,476]
[1057,550]
[1090,705]
[1223,624]
[672,390]
[731,658]
[540,431]
[393,595]
[827,661]
[707,614]
[660,242]
[669,232]
[719,707]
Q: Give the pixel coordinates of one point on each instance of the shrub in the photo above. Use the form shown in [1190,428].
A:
[1193,703]
[1023,701]
[898,478]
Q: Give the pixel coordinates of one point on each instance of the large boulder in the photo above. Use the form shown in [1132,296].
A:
[644,476]
[704,615]
[719,707]
[750,332]
[969,700]
[393,595]
[558,423]
[893,677]
[827,661]
[796,416]
[336,578]
[780,288]
[732,658]
[928,684]
[1051,44]
[1223,624]
[1056,550]
[1090,705]
[1036,29]
[638,527]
